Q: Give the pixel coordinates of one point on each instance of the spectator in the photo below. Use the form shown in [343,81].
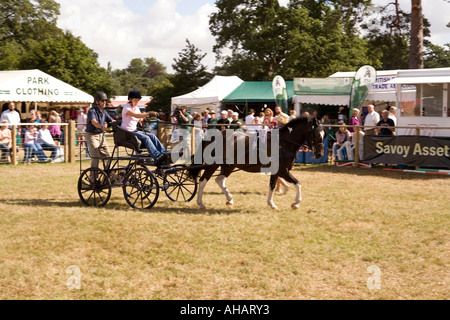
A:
[342,135]
[280,117]
[384,125]
[55,129]
[292,114]
[5,142]
[230,114]
[224,120]
[97,123]
[131,116]
[153,124]
[250,117]
[354,120]
[212,119]
[256,126]
[393,114]
[11,115]
[81,127]
[198,130]
[236,124]
[269,119]
[372,120]
[32,147]
[45,139]
[185,118]
[206,116]
[342,117]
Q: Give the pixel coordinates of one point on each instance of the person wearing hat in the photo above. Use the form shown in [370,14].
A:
[131,116]
[224,120]
[98,121]
[235,122]
[212,119]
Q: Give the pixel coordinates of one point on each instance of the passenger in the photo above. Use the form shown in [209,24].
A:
[131,116]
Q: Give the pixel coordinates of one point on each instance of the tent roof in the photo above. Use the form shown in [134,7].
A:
[211,93]
[256,91]
[37,86]
[417,76]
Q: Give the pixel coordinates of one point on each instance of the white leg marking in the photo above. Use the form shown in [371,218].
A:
[298,198]
[220,180]
[270,200]
[202,186]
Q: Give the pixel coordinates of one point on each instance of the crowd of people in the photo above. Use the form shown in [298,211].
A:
[373,124]
[35,139]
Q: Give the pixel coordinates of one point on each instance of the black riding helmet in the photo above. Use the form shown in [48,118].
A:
[134,94]
[100,96]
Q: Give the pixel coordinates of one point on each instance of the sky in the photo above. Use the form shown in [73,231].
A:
[121,30]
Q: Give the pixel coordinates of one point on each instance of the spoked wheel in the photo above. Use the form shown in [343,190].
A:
[179,185]
[141,189]
[94,187]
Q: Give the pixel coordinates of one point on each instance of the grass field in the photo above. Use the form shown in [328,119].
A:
[352,223]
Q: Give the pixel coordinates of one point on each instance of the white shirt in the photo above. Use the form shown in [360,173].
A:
[372,120]
[44,136]
[249,119]
[394,118]
[130,123]
[12,117]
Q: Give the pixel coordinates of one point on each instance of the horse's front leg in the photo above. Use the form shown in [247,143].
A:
[273,181]
[220,180]
[298,187]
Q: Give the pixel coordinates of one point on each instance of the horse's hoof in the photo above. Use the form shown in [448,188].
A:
[295,206]
[230,205]
[202,207]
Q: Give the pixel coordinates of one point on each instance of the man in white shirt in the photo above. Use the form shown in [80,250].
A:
[393,114]
[11,115]
[371,120]
[46,141]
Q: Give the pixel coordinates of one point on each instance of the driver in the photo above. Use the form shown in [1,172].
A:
[131,116]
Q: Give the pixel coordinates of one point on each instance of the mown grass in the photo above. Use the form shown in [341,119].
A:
[350,219]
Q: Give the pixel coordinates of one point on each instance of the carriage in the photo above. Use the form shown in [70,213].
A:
[141,179]
[142,186]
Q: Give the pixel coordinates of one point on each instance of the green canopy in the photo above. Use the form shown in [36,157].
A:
[256,91]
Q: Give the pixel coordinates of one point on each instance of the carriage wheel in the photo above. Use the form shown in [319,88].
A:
[179,185]
[94,187]
[141,189]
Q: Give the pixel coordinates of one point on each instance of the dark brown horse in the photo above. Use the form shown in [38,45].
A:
[281,149]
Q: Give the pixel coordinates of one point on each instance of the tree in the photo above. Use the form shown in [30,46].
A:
[23,24]
[416,47]
[67,58]
[307,38]
[190,74]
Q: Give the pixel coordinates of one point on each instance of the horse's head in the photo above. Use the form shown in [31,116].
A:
[316,137]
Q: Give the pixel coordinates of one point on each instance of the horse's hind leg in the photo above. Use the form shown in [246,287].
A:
[221,180]
[273,181]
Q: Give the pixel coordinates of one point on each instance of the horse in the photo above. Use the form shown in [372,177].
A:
[289,139]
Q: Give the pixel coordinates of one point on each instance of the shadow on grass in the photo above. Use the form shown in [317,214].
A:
[375,171]
[114,206]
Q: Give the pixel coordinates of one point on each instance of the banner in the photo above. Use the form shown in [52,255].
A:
[280,93]
[364,79]
[408,150]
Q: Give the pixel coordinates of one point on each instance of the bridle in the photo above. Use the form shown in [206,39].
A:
[310,138]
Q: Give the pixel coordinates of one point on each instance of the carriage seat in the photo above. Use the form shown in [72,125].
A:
[124,138]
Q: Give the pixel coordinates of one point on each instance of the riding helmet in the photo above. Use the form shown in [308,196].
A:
[100,96]
[134,94]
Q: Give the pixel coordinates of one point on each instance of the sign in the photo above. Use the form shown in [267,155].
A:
[364,79]
[408,150]
[280,93]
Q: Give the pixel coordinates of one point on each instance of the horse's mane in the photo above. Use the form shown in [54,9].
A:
[296,121]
